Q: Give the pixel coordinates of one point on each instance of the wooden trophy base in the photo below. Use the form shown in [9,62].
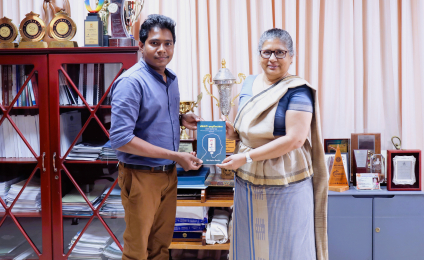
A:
[121,42]
[338,188]
[33,45]
[8,45]
[63,44]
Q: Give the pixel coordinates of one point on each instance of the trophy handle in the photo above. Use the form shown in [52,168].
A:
[193,105]
[206,79]
[241,77]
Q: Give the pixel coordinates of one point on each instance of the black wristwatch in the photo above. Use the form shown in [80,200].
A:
[180,117]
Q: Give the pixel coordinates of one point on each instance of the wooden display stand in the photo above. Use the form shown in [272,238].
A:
[390,168]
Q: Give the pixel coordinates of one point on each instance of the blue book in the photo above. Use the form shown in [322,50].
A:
[211,142]
[193,177]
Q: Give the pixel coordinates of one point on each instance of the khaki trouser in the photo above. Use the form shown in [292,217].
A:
[150,202]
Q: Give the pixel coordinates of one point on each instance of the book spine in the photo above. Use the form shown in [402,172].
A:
[35,87]
[95,84]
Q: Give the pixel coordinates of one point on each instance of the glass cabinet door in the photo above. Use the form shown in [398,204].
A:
[88,213]
[24,184]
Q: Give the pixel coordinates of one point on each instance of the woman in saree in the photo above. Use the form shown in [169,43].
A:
[280,202]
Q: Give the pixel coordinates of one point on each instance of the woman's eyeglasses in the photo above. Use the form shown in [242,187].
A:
[279,54]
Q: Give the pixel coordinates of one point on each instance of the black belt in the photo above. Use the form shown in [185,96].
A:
[162,168]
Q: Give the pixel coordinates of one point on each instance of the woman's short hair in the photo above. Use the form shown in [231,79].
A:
[156,20]
[276,33]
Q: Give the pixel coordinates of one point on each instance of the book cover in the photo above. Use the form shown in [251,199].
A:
[211,142]
[193,177]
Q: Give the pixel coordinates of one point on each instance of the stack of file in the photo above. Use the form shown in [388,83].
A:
[11,144]
[85,152]
[30,199]
[91,243]
[74,204]
[190,219]
[113,204]
[112,252]
[4,189]
[108,153]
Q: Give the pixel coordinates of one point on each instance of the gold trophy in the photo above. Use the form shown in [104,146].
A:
[185,107]
[8,33]
[224,81]
[62,28]
[32,31]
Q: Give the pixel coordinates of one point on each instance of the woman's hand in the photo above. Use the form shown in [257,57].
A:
[230,133]
[233,162]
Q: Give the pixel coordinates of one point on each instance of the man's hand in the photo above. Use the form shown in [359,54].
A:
[188,161]
[230,133]
[233,162]
[190,121]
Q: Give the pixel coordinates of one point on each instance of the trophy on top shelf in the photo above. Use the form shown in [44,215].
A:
[62,28]
[124,14]
[93,26]
[32,30]
[224,81]
[8,33]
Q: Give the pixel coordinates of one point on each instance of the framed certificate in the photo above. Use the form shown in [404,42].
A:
[404,170]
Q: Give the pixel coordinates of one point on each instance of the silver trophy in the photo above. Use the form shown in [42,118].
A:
[123,14]
[224,81]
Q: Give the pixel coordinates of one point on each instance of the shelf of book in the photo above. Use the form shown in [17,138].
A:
[208,203]
[18,160]
[80,107]
[32,107]
[90,162]
[198,246]
[23,214]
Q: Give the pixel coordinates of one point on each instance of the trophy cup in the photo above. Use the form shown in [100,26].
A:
[8,33]
[185,107]
[224,81]
[32,30]
[62,28]
[124,14]
[93,26]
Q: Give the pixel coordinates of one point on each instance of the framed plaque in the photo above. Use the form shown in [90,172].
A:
[367,181]
[187,145]
[230,146]
[364,141]
[404,170]
[330,146]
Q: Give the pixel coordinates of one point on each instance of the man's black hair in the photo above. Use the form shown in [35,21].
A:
[156,20]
